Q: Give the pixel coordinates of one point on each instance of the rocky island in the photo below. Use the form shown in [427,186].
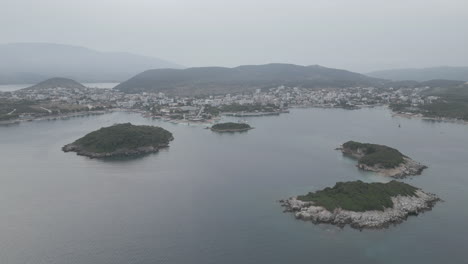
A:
[121,140]
[361,205]
[382,159]
[231,127]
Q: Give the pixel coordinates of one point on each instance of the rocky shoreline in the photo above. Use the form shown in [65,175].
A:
[119,153]
[429,118]
[54,117]
[408,168]
[403,206]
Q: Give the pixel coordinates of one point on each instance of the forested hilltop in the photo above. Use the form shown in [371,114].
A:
[248,78]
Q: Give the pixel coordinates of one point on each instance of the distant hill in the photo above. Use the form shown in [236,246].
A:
[457,92]
[424,74]
[56,83]
[219,80]
[32,62]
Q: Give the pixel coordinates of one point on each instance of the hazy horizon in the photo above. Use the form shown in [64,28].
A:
[359,36]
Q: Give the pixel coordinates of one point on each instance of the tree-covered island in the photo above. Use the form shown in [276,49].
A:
[361,205]
[121,140]
[382,159]
[231,127]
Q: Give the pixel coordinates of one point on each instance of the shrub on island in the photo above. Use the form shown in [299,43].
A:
[373,154]
[230,127]
[121,139]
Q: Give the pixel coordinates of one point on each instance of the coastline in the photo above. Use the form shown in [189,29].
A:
[118,153]
[403,206]
[55,117]
[426,118]
[408,168]
[249,114]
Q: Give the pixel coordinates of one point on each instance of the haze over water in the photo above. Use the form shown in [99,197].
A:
[211,198]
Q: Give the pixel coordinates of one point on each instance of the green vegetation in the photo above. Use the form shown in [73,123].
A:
[12,109]
[218,80]
[453,109]
[230,127]
[452,103]
[212,110]
[359,196]
[376,154]
[123,136]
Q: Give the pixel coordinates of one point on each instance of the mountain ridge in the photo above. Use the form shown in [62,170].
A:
[244,78]
[423,74]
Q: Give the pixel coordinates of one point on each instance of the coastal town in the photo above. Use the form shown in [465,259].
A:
[30,104]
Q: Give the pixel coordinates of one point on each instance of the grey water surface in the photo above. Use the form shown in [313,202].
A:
[211,198]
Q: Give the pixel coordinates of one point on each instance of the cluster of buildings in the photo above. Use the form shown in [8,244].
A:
[201,108]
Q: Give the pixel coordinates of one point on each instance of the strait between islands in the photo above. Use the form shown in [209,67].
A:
[366,205]
[121,140]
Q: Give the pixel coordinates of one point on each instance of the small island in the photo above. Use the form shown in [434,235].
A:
[382,159]
[121,140]
[361,205]
[231,127]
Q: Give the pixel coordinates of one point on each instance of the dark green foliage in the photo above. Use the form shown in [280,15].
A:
[248,78]
[376,154]
[230,126]
[359,196]
[400,107]
[452,109]
[212,110]
[21,106]
[452,103]
[8,117]
[124,136]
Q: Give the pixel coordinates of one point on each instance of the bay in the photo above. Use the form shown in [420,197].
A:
[211,198]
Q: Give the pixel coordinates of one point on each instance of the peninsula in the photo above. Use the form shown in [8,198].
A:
[231,127]
[382,159]
[121,140]
[361,205]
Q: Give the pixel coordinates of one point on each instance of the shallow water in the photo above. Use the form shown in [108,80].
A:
[211,198]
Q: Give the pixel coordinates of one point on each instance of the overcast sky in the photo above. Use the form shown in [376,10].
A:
[359,35]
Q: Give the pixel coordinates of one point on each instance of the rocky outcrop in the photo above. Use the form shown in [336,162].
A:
[121,152]
[403,206]
[408,167]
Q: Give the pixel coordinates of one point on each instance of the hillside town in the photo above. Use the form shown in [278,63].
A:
[273,101]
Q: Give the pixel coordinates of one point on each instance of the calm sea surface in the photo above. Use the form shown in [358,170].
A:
[211,198]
